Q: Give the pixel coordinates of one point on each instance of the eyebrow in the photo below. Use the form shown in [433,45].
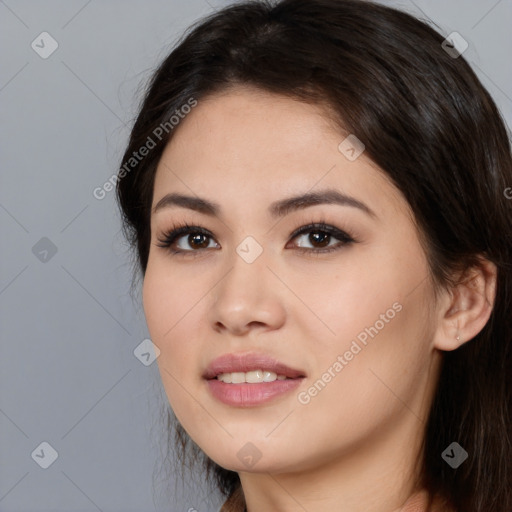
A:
[277,209]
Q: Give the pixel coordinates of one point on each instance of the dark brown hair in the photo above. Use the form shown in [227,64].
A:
[430,125]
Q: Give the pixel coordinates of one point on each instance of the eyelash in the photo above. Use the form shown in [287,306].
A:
[178,230]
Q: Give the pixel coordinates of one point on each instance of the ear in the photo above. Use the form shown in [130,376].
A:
[465,309]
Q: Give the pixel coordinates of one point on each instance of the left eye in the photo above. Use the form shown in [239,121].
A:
[198,238]
[319,236]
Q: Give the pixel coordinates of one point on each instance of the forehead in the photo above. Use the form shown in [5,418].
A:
[263,146]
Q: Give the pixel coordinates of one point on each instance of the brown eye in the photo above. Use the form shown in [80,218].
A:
[198,240]
[186,239]
[194,239]
[320,236]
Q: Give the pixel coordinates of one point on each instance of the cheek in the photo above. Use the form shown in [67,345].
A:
[338,302]
[167,300]
[372,379]
[172,310]
[157,300]
[373,313]
[169,311]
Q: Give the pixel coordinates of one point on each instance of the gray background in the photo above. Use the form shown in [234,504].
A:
[68,374]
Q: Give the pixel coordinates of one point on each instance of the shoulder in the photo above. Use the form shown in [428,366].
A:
[235,502]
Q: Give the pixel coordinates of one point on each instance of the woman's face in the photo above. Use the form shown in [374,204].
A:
[355,322]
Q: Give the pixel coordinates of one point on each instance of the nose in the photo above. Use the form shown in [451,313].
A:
[248,297]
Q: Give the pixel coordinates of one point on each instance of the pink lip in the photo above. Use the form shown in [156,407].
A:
[250,395]
[247,362]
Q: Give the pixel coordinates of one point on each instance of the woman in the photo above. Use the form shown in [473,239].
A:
[317,194]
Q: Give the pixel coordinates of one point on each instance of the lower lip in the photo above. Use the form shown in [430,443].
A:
[251,395]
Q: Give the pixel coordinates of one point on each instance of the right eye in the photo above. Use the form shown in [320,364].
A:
[195,236]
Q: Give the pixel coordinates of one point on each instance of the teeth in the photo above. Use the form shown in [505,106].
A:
[252,377]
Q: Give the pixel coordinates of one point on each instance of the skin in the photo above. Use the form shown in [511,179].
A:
[357,442]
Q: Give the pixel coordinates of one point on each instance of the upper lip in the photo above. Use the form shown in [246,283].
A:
[246,362]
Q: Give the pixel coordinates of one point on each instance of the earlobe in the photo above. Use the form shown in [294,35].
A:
[467,308]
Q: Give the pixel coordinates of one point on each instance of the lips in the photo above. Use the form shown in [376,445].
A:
[230,363]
